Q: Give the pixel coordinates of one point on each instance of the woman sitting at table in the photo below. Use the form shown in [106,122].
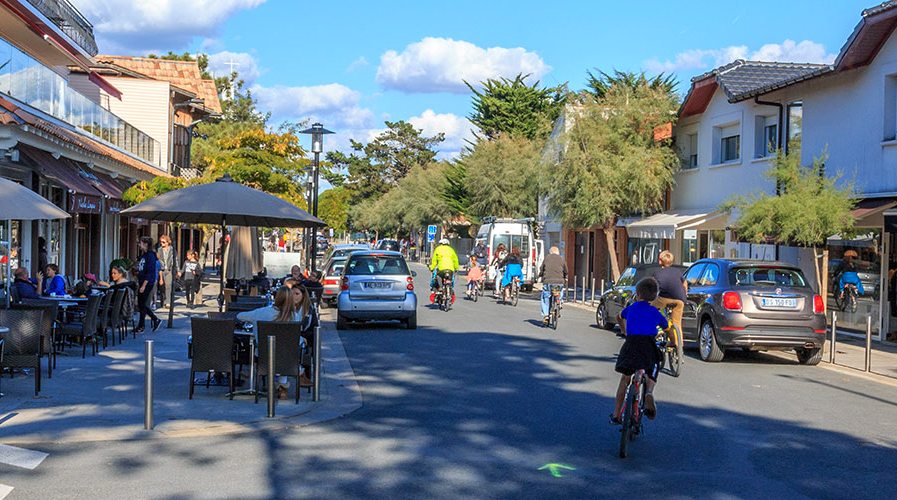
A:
[284,309]
[119,278]
[53,282]
[302,304]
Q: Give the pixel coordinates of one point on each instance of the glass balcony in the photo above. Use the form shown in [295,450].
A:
[70,21]
[27,80]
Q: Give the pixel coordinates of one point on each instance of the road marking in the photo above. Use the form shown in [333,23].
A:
[4,490]
[20,457]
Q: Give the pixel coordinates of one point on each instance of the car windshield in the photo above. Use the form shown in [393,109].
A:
[377,264]
[766,276]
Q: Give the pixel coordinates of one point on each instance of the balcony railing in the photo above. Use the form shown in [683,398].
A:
[70,21]
[27,80]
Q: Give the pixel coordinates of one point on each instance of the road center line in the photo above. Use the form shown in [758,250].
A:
[20,457]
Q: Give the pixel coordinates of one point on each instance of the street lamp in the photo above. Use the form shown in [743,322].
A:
[317,132]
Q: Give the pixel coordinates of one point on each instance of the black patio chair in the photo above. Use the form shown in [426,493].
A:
[286,356]
[115,316]
[243,306]
[22,345]
[213,350]
[48,328]
[103,319]
[86,328]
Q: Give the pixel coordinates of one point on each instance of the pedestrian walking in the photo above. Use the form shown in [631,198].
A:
[146,278]
[168,263]
[192,272]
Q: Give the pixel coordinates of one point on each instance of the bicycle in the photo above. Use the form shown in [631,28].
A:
[633,409]
[444,296]
[554,305]
[670,354]
[846,299]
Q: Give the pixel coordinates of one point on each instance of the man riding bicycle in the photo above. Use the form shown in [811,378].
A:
[672,291]
[846,273]
[513,266]
[444,265]
[552,273]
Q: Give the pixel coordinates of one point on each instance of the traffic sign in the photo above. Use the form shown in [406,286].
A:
[431,234]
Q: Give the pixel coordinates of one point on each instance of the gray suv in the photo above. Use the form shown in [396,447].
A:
[754,305]
[376,285]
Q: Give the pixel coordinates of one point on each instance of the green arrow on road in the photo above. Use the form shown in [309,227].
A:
[555,469]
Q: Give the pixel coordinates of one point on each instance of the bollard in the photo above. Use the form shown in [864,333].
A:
[593,292]
[316,368]
[868,343]
[583,290]
[148,385]
[831,355]
[575,281]
[271,373]
[602,287]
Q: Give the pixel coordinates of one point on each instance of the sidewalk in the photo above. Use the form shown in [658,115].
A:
[101,398]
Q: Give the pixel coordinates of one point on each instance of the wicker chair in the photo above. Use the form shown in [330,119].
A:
[286,360]
[48,328]
[87,328]
[22,345]
[213,350]
[115,318]
[103,319]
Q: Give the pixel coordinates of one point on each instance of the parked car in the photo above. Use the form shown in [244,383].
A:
[376,285]
[332,274]
[343,250]
[622,293]
[390,245]
[754,305]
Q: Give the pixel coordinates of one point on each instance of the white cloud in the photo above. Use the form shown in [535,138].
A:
[443,64]
[357,64]
[699,59]
[245,65]
[457,129]
[129,27]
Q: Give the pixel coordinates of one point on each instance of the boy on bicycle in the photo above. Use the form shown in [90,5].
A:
[639,323]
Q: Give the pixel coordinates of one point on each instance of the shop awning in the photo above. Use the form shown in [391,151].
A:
[59,170]
[665,224]
[868,211]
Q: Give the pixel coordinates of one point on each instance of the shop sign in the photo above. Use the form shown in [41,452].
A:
[137,221]
[84,204]
[114,206]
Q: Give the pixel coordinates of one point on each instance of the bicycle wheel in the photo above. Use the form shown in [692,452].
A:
[675,353]
[515,291]
[840,303]
[476,292]
[553,313]
[628,422]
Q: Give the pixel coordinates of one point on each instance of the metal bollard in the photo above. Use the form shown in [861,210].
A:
[583,290]
[316,369]
[271,372]
[593,292]
[831,354]
[148,386]
[868,343]
[575,282]
[602,287]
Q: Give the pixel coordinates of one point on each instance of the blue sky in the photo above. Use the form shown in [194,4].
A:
[353,64]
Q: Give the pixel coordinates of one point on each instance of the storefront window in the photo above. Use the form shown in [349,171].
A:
[717,241]
[689,247]
[860,255]
[644,250]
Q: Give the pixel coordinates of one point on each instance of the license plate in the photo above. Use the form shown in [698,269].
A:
[774,302]
[377,285]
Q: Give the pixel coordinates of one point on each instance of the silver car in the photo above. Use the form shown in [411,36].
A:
[374,286]
[343,250]
[332,274]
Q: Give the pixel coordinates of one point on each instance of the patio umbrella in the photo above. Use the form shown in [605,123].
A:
[222,202]
[243,259]
[20,203]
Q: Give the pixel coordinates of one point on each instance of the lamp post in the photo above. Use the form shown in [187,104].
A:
[317,132]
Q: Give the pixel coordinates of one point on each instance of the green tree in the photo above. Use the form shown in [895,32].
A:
[610,164]
[600,83]
[502,177]
[333,208]
[144,190]
[810,207]
[506,106]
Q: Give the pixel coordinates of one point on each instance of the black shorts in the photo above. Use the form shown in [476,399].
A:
[639,352]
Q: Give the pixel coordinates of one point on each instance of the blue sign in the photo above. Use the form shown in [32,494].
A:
[431,234]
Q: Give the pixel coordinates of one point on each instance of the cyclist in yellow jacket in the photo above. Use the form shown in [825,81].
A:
[444,263]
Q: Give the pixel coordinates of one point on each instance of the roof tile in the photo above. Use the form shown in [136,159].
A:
[183,74]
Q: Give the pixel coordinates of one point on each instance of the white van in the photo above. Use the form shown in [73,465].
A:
[512,232]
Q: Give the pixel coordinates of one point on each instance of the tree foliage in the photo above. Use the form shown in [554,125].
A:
[502,177]
[333,208]
[610,164]
[506,106]
[144,190]
[599,84]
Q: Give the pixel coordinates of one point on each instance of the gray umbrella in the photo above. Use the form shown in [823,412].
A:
[244,256]
[222,202]
[20,203]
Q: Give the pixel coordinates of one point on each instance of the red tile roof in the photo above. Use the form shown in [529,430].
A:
[183,74]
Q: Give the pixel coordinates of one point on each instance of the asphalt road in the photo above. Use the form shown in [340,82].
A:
[475,401]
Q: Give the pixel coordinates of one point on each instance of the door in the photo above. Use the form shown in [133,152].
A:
[540,255]
[689,315]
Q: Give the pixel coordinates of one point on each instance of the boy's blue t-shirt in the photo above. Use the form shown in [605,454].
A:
[643,319]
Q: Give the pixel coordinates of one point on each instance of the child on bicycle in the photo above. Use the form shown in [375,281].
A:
[639,323]
[474,275]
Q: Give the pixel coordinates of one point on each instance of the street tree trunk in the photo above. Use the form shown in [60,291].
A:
[612,252]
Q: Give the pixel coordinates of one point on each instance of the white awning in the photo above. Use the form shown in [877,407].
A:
[665,224]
